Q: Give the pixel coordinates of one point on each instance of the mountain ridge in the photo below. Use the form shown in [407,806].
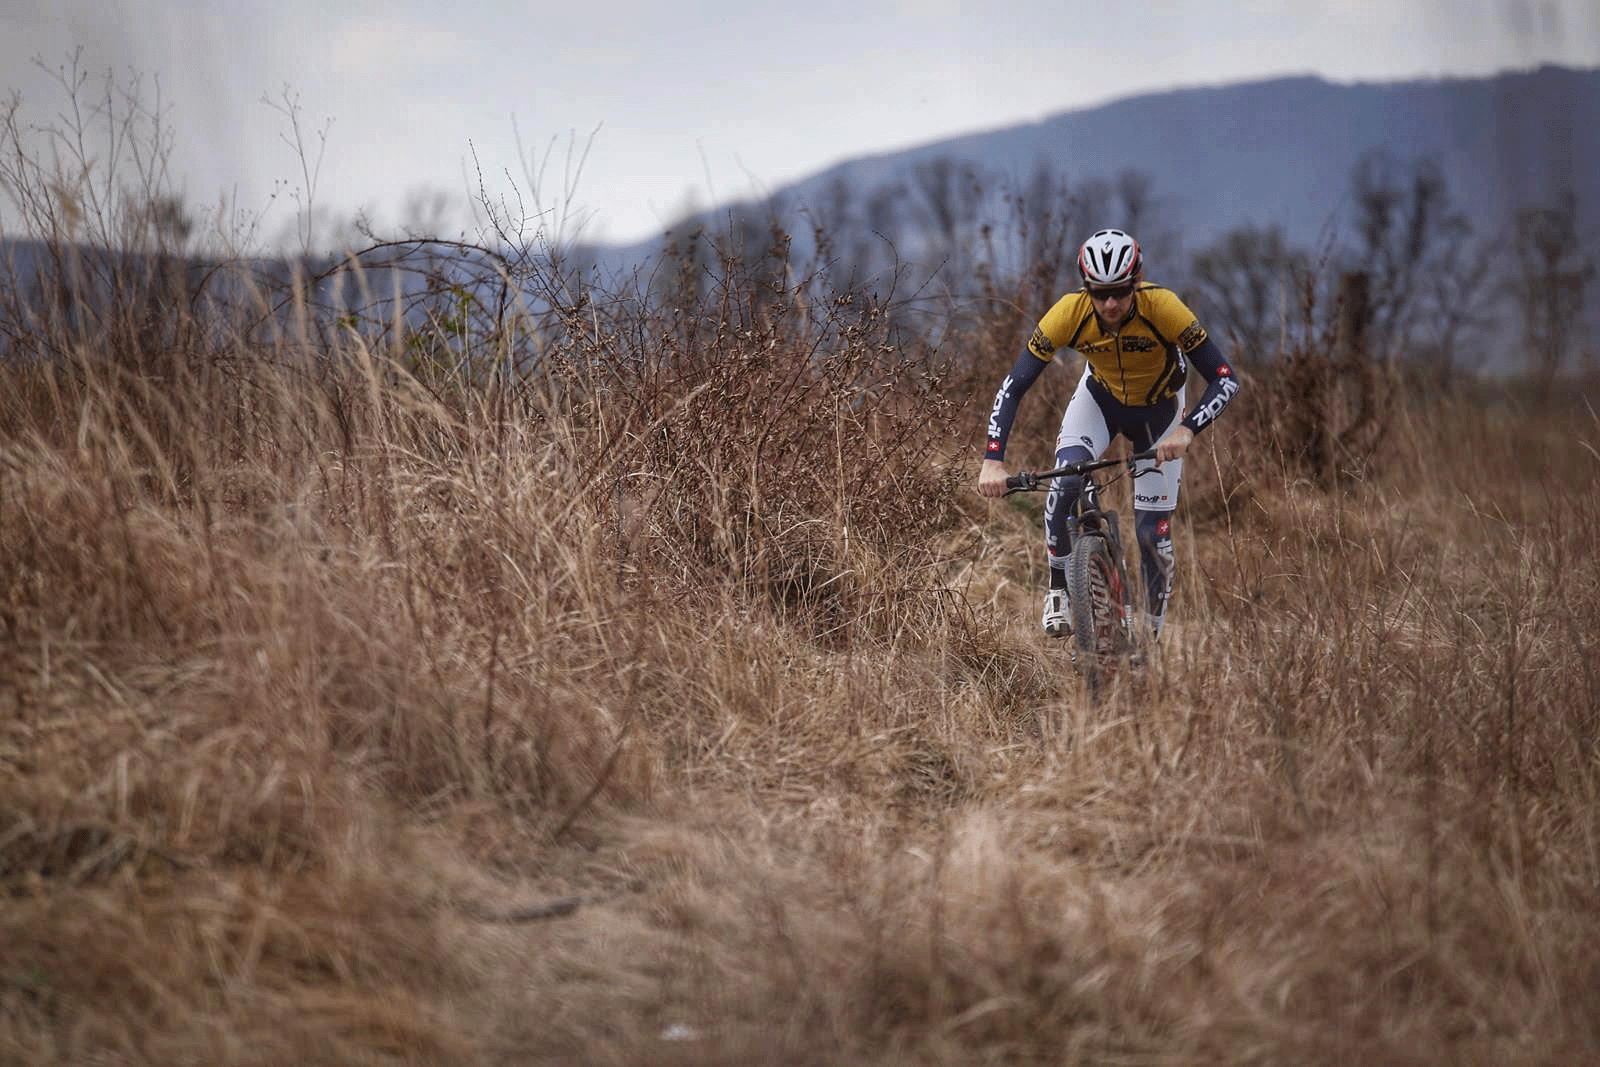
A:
[1280,151]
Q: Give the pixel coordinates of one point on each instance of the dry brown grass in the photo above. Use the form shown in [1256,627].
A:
[684,705]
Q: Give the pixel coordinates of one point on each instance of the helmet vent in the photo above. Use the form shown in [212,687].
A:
[1109,257]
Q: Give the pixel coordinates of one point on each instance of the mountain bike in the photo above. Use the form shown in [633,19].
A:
[1098,591]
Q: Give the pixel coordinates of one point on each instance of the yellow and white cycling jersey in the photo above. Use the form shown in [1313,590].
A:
[1140,363]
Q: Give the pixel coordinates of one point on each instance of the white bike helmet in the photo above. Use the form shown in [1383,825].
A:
[1109,257]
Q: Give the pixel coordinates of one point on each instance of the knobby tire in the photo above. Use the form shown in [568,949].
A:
[1094,588]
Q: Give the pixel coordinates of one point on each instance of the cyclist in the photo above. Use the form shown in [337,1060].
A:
[1138,341]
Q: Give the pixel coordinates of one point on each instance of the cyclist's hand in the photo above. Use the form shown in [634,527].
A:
[1174,444]
[992,478]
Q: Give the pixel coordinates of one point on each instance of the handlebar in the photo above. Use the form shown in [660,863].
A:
[1027,481]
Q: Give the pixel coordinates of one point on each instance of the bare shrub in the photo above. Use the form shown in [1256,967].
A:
[1327,408]
[771,439]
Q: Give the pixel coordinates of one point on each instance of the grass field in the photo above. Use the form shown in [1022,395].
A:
[692,710]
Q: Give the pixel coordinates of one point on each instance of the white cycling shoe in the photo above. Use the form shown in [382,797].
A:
[1056,620]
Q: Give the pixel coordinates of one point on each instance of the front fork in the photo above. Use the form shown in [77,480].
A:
[1125,587]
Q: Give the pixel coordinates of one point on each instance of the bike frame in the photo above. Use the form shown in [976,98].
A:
[1092,518]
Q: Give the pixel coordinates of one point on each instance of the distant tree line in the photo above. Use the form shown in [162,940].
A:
[1440,290]
[966,254]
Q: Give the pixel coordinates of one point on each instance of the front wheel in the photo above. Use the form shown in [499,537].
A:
[1098,592]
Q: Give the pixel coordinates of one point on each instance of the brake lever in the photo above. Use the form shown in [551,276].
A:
[1028,481]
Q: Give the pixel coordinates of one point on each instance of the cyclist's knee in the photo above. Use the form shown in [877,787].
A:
[1064,490]
[1063,494]
[1072,454]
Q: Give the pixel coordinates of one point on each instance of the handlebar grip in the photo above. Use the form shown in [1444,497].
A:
[1017,481]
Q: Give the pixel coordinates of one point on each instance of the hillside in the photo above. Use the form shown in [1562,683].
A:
[1281,151]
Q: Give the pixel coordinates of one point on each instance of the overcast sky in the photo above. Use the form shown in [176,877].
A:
[689,104]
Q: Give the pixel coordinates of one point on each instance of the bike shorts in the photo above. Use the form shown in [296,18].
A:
[1093,417]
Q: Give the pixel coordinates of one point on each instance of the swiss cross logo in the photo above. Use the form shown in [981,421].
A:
[1225,371]
[1163,527]
[994,446]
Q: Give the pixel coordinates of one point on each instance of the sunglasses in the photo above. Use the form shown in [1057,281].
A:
[1115,292]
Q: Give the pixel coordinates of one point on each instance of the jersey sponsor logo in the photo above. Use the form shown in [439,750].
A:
[1192,336]
[1000,398]
[1039,344]
[1167,561]
[1212,408]
[1065,441]
[1138,344]
[1149,498]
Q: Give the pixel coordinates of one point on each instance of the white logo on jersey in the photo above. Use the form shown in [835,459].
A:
[999,401]
[1208,411]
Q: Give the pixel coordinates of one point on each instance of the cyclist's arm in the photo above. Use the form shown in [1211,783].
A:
[1023,374]
[1221,385]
